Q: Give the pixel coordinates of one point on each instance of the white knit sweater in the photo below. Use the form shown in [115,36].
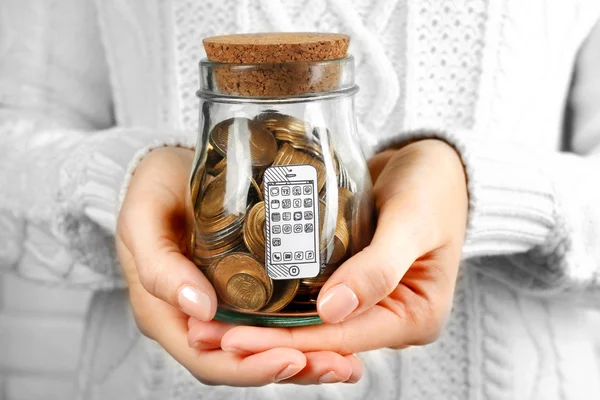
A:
[87,88]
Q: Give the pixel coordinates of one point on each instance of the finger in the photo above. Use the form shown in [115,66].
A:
[372,274]
[152,222]
[216,367]
[378,162]
[379,327]
[323,367]
[207,335]
[357,369]
[192,321]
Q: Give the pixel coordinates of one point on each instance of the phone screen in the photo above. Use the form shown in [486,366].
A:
[291,221]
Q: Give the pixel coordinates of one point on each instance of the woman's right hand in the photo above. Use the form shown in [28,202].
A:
[166,289]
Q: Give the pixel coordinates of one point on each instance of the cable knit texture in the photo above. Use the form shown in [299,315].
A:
[88,87]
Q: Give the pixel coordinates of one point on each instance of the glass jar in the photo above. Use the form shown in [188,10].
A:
[280,194]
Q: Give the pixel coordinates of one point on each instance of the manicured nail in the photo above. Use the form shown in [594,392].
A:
[338,303]
[330,377]
[287,372]
[231,349]
[197,344]
[195,302]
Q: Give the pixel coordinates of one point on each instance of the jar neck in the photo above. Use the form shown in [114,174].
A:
[288,82]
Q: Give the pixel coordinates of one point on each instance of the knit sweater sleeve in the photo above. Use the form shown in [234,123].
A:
[534,214]
[61,162]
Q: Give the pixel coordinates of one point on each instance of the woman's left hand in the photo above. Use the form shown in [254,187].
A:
[398,291]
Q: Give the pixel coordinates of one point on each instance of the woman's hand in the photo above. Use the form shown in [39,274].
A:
[166,288]
[398,291]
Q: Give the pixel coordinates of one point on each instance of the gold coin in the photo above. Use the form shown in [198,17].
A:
[287,155]
[234,264]
[263,145]
[340,241]
[274,121]
[255,194]
[218,223]
[213,159]
[246,292]
[254,231]
[213,198]
[283,294]
[206,260]
[211,209]
[220,167]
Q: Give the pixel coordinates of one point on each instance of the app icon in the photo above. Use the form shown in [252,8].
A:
[287,216]
[275,204]
[287,228]
[297,203]
[298,228]
[307,189]
[275,191]
[285,191]
[276,217]
[310,255]
[287,256]
[276,229]
[287,203]
[308,228]
[296,191]
[276,257]
[308,215]
[298,255]
[297,215]
[276,242]
[307,203]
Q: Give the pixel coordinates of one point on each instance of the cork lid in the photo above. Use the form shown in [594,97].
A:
[276,64]
[276,47]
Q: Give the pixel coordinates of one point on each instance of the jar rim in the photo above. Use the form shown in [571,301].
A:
[287,81]
[349,58]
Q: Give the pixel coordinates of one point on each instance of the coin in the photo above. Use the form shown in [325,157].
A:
[287,155]
[340,241]
[276,121]
[255,194]
[289,129]
[283,294]
[245,293]
[343,176]
[263,145]
[254,231]
[213,159]
[219,167]
[214,197]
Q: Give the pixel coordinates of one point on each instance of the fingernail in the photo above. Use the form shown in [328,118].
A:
[197,344]
[287,372]
[338,303]
[236,350]
[195,302]
[330,377]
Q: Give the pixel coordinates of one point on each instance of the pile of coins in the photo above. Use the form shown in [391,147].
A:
[228,242]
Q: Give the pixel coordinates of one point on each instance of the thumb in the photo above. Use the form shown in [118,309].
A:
[375,272]
[152,224]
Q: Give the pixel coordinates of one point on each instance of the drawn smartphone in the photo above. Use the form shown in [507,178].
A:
[291,221]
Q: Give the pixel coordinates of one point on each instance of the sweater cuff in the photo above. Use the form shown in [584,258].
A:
[109,167]
[511,207]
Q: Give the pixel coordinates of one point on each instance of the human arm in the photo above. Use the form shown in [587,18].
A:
[533,223]
[62,160]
